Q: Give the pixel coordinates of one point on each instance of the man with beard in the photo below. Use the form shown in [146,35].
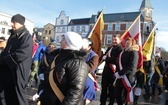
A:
[15,63]
[111,58]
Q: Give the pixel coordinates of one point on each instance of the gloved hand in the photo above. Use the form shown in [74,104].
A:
[117,75]
[104,57]
[35,97]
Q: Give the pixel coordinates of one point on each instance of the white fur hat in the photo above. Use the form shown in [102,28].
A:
[73,40]
[157,54]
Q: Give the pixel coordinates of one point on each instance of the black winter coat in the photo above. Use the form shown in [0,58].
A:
[107,72]
[129,61]
[15,64]
[70,75]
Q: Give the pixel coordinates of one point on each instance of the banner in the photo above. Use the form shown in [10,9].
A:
[148,46]
[96,33]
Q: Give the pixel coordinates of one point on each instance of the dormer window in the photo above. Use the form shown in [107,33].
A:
[122,17]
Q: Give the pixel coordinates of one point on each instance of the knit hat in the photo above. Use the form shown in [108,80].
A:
[73,40]
[18,18]
[54,44]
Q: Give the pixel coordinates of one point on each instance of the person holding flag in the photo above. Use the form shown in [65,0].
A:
[128,61]
[157,79]
[111,58]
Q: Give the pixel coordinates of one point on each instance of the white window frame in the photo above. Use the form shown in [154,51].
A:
[108,39]
[117,27]
[110,27]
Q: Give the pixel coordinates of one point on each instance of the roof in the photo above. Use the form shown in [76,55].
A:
[79,21]
[115,17]
[38,29]
[49,24]
[146,3]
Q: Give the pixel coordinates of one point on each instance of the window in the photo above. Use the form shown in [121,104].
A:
[9,32]
[58,29]
[117,27]
[127,25]
[63,29]
[3,31]
[72,28]
[62,22]
[83,28]
[49,32]
[78,29]
[110,27]
[58,38]
[4,22]
[148,13]
[46,32]
[109,39]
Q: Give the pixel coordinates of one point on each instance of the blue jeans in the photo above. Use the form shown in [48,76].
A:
[147,86]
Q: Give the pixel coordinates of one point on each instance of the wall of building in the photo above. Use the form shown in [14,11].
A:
[5,25]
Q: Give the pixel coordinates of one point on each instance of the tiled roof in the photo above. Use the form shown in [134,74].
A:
[115,17]
[79,21]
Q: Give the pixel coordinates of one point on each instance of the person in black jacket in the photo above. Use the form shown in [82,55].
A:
[70,73]
[111,58]
[45,66]
[15,63]
[159,72]
[128,61]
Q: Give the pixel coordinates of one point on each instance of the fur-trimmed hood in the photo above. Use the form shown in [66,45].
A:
[134,48]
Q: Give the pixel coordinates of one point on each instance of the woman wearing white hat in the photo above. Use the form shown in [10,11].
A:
[69,73]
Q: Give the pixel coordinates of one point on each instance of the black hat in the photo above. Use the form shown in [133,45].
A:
[18,18]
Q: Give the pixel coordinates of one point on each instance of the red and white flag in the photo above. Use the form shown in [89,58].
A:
[134,31]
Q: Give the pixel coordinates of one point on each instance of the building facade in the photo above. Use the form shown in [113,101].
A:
[5,25]
[47,33]
[64,24]
[115,23]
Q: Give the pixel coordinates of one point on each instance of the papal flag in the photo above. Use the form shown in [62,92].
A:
[96,33]
[148,46]
[134,31]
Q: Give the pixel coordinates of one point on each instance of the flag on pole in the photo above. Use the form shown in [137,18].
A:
[148,46]
[134,31]
[96,33]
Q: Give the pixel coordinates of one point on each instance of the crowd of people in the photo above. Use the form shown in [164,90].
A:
[67,75]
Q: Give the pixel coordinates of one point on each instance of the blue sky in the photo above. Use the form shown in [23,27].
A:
[42,12]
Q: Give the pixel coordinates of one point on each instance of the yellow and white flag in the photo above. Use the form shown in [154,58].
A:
[148,46]
[96,34]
